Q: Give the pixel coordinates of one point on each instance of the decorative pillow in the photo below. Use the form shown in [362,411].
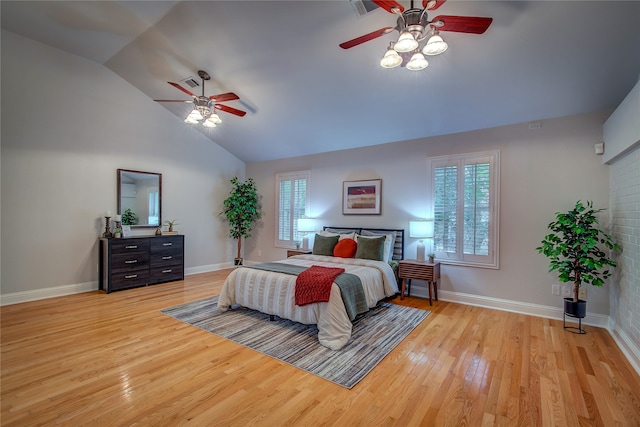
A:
[345,248]
[323,245]
[389,242]
[351,235]
[371,248]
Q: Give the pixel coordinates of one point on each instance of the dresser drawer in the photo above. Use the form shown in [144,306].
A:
[167,274]
[121,263]
[129,279]
[166,258]
[166,243]
[119,246]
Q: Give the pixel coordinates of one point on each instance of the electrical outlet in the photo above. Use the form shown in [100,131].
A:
[555,289]
[582,294]
[566,291]
[259,253]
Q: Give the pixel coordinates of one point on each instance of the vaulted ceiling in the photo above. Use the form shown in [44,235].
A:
[303,94]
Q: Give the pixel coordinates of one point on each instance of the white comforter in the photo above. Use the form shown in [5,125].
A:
[274,293]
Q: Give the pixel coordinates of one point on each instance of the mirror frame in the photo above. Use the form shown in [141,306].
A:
[159,175]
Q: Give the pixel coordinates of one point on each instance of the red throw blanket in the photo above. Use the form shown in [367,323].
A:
[314,284]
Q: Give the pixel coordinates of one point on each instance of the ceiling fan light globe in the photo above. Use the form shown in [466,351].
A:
[391,59]
[208,124]
[215,119]
[435,46]
[196,115]
[190,120]
[417,62]
[406,43]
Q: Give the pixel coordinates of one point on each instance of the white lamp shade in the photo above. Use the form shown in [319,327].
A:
[417,62]
[421,229]
[391,59]
[406,43]
[435,46]
[306,224]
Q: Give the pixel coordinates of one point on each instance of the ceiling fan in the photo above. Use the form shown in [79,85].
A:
[414,26]
[205,107]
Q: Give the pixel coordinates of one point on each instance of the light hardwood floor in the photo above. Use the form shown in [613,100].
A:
[115,360]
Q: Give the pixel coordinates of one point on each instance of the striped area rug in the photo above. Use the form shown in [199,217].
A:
[375,334]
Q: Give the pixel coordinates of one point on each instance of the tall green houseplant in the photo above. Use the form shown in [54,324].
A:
[242,210]
[574,247]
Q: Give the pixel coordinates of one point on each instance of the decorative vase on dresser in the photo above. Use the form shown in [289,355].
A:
[140,261]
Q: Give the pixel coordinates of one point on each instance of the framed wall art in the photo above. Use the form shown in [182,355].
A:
[361,197]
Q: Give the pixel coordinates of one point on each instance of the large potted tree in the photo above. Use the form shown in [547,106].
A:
[241,209]
[575,248]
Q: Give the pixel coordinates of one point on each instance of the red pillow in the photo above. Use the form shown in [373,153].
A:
[345,248]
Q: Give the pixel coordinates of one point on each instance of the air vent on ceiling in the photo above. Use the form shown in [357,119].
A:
[362,7]
[191,82]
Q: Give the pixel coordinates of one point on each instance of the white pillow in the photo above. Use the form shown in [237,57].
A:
[351,235]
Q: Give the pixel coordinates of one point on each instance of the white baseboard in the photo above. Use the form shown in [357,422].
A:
[627,346]
[58,291]
[550,312]
[38,294]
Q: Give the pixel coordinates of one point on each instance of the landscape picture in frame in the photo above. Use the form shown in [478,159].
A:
[361,197]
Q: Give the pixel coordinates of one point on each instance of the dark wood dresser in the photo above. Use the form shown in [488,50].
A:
[139,261]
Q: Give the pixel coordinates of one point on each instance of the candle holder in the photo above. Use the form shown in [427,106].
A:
[107,228]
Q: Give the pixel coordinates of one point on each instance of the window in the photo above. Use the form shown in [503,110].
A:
[154,206]
[291,204]
[465,200]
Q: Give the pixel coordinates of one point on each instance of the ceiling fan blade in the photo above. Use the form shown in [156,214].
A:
[173,100]
[372,35]
[230,96]
[177,86]
[230,110]
[432,4]
[389,5]
[463,24]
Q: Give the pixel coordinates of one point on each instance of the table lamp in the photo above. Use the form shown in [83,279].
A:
[305,225]
[421,229]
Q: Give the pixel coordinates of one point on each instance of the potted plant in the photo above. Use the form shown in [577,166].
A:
[574,248]
[117,232]
[129,217]
[432,257]
[171,224]
[241,209]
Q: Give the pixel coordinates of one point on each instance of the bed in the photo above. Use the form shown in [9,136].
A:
[262,287]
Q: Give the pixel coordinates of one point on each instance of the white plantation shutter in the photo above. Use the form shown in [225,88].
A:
[465,198]
[445,208]
[292,204]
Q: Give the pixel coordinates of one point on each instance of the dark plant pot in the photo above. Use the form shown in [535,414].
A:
[575,309]
[237,261]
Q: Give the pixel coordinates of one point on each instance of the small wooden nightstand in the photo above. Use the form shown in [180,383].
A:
[292,252]
[422,270]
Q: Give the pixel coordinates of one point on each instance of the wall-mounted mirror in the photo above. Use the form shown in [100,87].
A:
[140,198]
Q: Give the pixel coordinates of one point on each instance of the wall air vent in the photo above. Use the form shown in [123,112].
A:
[362,7]
[191,82]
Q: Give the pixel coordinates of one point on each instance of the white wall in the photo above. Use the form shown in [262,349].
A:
[622,128]
[543,171]
[67,126]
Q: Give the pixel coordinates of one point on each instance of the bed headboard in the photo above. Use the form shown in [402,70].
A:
[398,245]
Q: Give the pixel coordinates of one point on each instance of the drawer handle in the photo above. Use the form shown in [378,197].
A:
[167,257]
[132,261]
[131,247]
[167,271]
[167,244]
[131,276]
